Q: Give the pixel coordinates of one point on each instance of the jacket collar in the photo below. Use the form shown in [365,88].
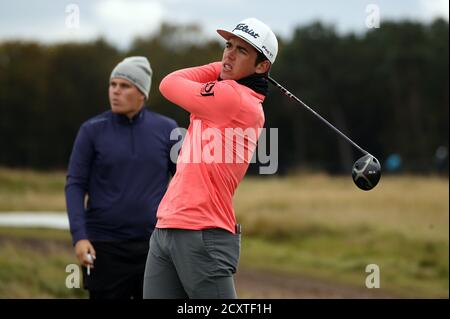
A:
[123,119]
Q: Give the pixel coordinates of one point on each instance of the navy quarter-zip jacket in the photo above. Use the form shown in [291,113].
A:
[123,166]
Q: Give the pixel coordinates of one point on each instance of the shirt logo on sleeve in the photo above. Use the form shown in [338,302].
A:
[208,89]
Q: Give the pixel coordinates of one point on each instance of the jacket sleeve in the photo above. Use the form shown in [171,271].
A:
[77,183]
[197,91]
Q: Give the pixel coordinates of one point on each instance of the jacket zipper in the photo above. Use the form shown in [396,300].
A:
[132,137]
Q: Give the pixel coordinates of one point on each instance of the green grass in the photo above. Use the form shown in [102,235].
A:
[416,207]
[310,224]
[33,264]
[407,268]
[28,190]
[327,228]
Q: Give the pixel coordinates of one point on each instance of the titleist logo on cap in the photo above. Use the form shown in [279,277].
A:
[267,51]
[244,28]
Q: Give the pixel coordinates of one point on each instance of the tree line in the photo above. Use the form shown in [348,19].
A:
[387,89]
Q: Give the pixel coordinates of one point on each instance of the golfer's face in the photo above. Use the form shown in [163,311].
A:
[238,59]
[124,97]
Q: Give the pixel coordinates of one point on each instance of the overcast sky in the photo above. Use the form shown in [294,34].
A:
[119,21]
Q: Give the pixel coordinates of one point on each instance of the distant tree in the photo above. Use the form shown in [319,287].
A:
[387,89]
[171,48]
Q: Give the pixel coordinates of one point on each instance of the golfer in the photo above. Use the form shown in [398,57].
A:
[120,161]
[194,249]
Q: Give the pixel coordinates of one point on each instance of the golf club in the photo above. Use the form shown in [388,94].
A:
[366,170]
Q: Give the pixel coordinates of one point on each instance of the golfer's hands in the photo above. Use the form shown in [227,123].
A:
[84,247]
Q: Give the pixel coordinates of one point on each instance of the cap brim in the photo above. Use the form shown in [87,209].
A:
[227,35]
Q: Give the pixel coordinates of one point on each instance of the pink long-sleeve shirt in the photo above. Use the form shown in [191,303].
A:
[225,123]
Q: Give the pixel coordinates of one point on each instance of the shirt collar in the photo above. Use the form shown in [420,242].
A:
[138,117]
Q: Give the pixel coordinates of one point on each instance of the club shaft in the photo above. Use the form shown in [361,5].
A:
[292,96]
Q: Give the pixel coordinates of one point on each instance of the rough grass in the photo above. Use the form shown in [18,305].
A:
[416,207]
[33,264]
[27,190]
[326,227]
[309,224]
[408,268]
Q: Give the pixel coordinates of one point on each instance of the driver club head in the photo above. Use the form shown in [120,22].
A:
[366,172]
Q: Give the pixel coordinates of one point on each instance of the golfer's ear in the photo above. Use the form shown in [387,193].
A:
[263,67]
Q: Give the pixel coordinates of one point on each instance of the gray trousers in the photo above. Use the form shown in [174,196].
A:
[191,264]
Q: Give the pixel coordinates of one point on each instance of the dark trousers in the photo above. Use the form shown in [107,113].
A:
[118,271]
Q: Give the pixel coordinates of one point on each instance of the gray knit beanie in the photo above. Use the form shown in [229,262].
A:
[137,70]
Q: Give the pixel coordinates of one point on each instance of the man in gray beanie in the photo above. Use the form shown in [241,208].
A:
[121,162]
[137,70]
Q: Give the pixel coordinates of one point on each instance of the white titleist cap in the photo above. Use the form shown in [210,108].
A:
[258,34]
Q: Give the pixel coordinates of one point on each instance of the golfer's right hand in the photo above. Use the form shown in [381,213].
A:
[84,247]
